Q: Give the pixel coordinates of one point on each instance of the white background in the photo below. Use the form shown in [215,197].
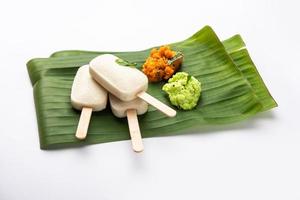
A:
[255,159]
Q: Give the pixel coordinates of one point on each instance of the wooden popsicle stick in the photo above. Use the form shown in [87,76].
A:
[134,129]
[83,123]
[157,104]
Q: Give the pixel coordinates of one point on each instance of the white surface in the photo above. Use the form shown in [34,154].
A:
[256,159]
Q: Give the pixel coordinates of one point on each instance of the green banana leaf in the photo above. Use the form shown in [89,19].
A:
[232,91]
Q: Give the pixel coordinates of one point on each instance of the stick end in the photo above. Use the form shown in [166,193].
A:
[138,149]
[172,113]
[80,137]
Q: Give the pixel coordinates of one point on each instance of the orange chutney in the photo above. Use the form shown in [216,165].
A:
[157,66]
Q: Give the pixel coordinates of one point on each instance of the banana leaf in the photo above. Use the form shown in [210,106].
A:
[232,91]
